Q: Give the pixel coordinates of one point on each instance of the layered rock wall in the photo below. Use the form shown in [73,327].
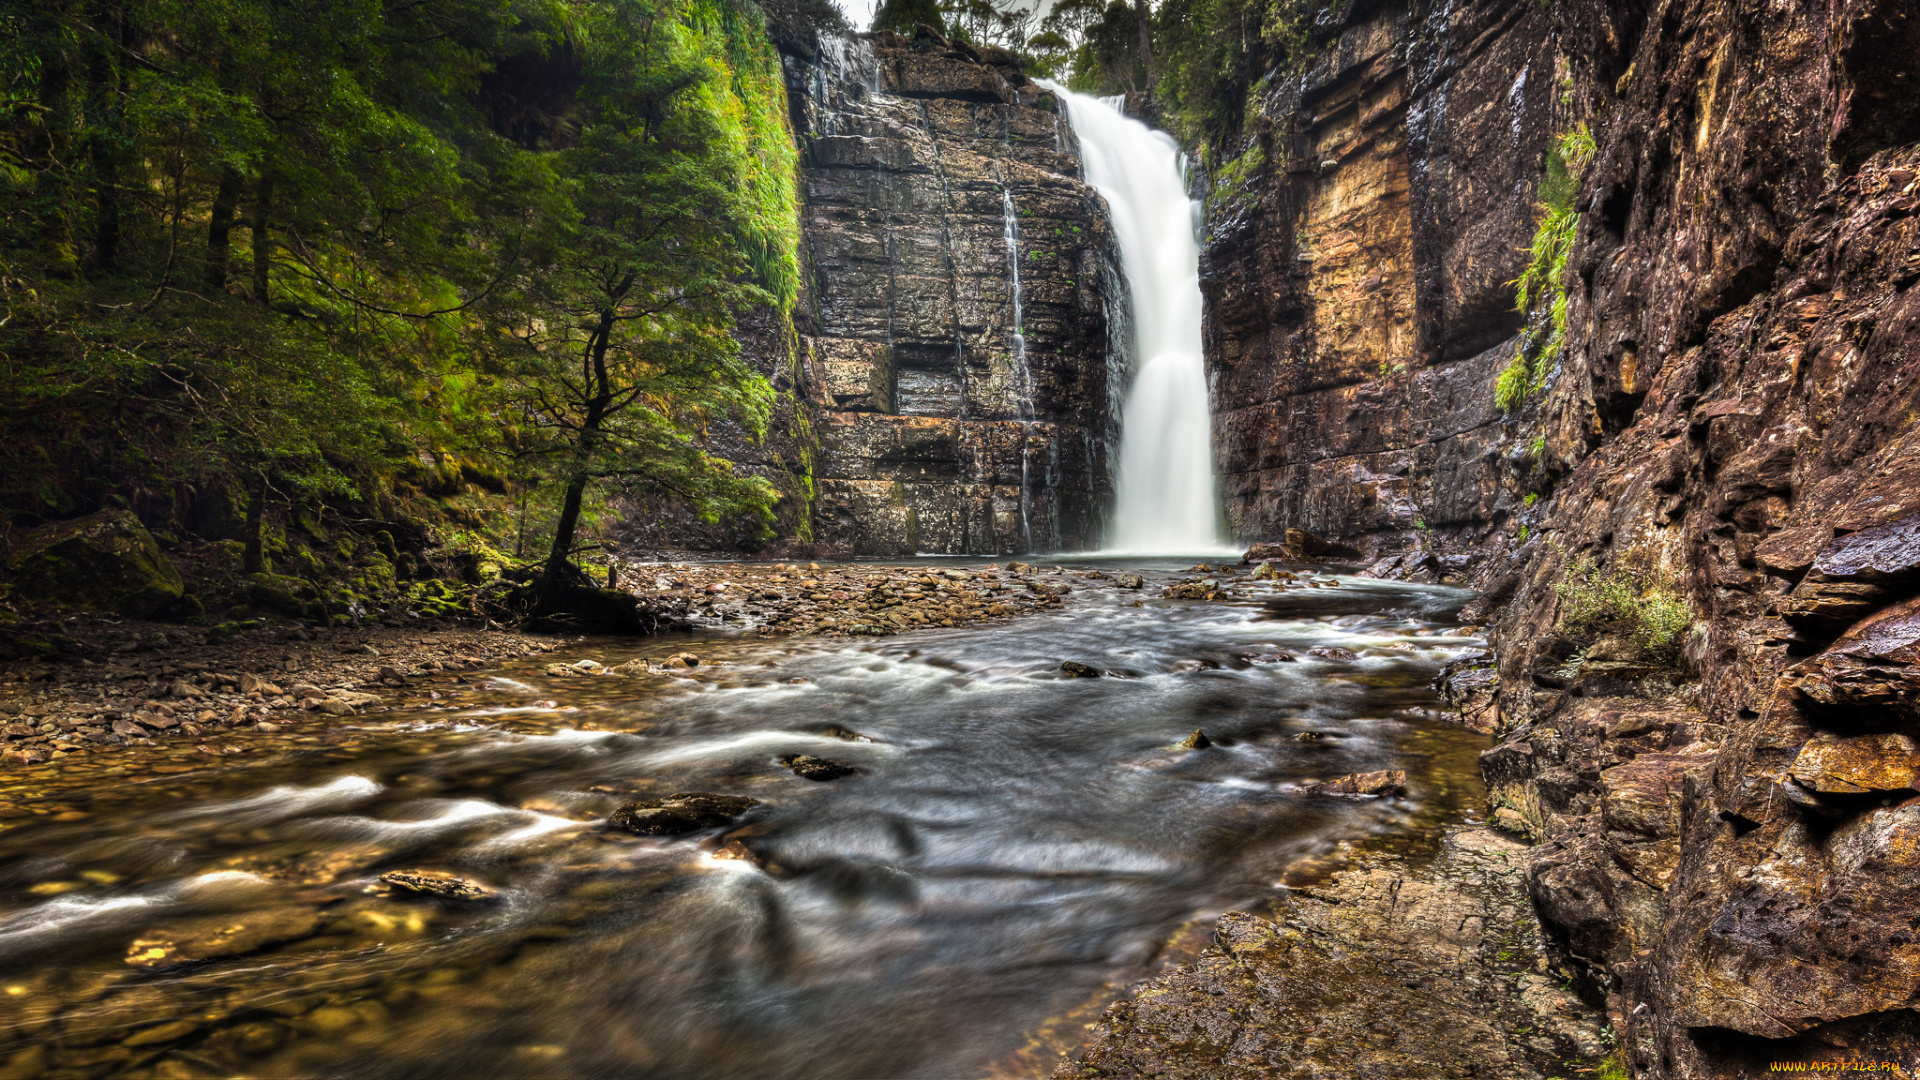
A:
[1357,267]
[1725,842]
[948,386]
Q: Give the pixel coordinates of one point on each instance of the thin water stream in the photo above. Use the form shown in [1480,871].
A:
[1015,840]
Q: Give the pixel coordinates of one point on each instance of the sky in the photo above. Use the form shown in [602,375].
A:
[858,12]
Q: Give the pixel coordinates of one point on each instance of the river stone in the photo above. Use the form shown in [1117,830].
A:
[1383,782]
[1130,581]
[215,936]
[1079,670]
[812,768]
[437,883]
[1332,652]
[1196,741]
[678,814]
[106,560]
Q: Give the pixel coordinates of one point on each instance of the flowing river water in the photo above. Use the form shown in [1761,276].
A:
[1015,843]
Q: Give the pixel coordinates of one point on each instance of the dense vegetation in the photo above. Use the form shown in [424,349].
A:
[260,255]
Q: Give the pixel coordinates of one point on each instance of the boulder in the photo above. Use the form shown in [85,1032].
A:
[437,883]
[106,560]
[1196,741]
[1333,652]
[1079,670]
[1130,581]
[1383,782]
[678,814]
[808,767]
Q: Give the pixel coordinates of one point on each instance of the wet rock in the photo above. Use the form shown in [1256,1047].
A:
[1273,656]
[1129,581]
[1196,741]
[1079,670]
[808,767]
[846,734]
[681,660]
[1381,783]
[737,850]
[1887,554]
[1875,664]
[437,883]
[1836,764]
[679,814]
[213,937]
[1390,972]
[564,671]
[106,560]
[1333,652]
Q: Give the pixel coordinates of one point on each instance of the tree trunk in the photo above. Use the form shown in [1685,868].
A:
[1144,16]
[583,447]
[107,137]
[262,243]
[226,200]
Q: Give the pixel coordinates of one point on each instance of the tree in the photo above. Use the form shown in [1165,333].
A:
[620,316]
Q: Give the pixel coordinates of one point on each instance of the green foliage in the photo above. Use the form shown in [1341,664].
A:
[1545,276]
[333,251]
[1214,55]
[1632,598]
[902,16]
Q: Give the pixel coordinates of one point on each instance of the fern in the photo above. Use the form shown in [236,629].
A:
[1545,276]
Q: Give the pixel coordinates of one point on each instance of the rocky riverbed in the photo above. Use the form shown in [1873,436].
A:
[1429,967]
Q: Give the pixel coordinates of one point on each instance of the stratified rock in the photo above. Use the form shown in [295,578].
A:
[1384,782]
[679,814]
[1874,665]
[1888,554]
[1836,764]
[808,767]
[106,560]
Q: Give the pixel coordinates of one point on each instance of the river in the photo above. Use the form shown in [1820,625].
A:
[1016,843]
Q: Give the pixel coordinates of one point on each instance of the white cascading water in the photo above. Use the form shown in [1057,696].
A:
[1165,501]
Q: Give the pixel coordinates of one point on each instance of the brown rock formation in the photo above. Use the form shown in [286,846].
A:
[1356,270]
[919,417]
[1727,841]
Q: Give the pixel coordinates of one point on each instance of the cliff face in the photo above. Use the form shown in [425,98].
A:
[1356,273]
[955,330]
[1728,844]
[948,389]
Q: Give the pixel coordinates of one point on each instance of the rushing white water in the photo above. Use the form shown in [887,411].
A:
[1165,498]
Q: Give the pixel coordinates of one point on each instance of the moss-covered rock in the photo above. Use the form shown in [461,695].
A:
[105,560]
[286,595]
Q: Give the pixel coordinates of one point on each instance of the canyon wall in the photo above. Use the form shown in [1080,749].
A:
[1357,267]
[948,390]
[1727,844]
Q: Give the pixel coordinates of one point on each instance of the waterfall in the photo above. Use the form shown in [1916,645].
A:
[1165,499]
[1010,226]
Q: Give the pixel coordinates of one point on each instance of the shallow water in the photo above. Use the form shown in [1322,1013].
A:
[1014,841]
